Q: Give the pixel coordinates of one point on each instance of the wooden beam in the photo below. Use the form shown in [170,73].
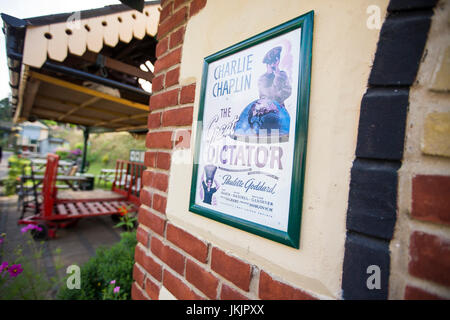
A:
[94,93]
[73,105]
[119,66]
[132,128]
[136,116]
[29,96]
[41,111]
[81,106]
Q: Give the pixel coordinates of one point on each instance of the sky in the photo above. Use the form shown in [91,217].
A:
[32,8]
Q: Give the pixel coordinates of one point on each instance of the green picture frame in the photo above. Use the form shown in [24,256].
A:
[290,237]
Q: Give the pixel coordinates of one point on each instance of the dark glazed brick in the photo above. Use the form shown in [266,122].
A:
[381,132]
[397,5]
[400,48]
[360,253]
[372,204]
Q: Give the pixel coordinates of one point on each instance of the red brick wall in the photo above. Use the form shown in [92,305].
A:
[429,254]
[166,255]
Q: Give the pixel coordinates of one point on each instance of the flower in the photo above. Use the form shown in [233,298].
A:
[15,270]
[30,227]
[123,211]
[116,289]
[113,282]
[3,266]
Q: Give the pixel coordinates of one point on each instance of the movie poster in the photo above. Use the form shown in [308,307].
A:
[248,132]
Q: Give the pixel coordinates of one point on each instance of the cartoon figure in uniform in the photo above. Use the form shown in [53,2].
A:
[269,111]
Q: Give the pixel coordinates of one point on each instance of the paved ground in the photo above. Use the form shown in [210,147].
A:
[77,244]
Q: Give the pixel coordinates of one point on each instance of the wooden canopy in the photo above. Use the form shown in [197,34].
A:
[84,68]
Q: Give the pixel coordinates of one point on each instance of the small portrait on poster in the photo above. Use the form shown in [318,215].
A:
[209,185]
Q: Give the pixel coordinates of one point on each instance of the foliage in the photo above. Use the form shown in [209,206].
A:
[113,292]
[5,110]
[105,159]
[63,154]
[114,263]
[126,220]
[15,165]
[22,271]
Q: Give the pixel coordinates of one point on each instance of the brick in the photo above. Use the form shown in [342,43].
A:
[395,5]
[137,293]
[152,289]
[165,3]
[270,289]
[142,236]
[228,293]
[146,197]
[166,11]
[163,160]
[400,48]
[176,38]
[176,19]
[160,181]
[150,159]
[436,133]
[431,198]
[162,47]
[160,140]
[178,288]
[158,83]
[187,242]
[372,203]
[178,3]
[441,81]
[172,77]
[178,117]
[159,203]
[164,99]
[231,268]
[413,293]
[154,120]
[187,94]
[151,220]
[203,280]
[138,276]
[171,257]
[382,122]
[147,178]
[170,59]
[147,262]
[361,252]
[196,6]
[430,258]
[182,139]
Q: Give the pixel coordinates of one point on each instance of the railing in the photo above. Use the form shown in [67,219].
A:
[128,179]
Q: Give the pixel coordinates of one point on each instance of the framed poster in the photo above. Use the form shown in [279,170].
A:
[251,133]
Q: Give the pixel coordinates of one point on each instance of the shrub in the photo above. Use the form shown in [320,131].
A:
[15,165]
[105,159]
[63,154]
[114,263]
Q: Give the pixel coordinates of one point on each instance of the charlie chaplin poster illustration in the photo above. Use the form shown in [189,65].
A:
[268,112]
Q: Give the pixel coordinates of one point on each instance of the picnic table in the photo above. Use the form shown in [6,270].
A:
[72,181]
[40,164]
[108,175]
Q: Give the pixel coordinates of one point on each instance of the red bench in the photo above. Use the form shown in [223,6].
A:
[59,212]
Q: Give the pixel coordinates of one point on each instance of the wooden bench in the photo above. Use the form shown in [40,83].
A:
[60,211]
